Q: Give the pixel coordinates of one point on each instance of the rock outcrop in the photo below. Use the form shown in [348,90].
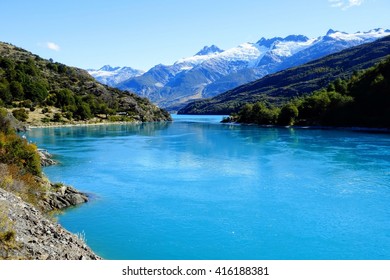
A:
[46,158]
[60,197]
[17,125]
[37,236]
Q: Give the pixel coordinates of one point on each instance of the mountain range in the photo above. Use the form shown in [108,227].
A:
[112,76]
[293,82]
[213,71]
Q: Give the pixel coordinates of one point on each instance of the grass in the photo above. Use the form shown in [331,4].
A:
[7,235]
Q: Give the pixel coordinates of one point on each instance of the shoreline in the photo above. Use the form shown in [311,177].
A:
[265,126]
[352,128]
[30,126]
[37,236]
[88,124]
[319,127]
[35,233]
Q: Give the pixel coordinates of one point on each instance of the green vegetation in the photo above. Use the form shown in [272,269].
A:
[363,100]
[20,167]
[30,82]
[281,87]
[20,114]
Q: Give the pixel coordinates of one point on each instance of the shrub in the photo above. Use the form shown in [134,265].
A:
[27,103]
[45,110]
[68,115]
[57,117]
[17,151]
[20,114]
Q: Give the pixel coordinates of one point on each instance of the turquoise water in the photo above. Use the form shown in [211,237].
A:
[197,189]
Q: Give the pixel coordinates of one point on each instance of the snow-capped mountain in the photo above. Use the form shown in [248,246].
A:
[212,71]
[209,50]
[114,75]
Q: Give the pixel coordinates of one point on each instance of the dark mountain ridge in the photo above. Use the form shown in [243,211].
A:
[212,71]
[296,81]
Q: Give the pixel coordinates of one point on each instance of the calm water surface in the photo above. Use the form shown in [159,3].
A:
[197,189]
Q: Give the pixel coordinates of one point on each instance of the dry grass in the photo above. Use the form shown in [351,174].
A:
[7,234]
[25,185]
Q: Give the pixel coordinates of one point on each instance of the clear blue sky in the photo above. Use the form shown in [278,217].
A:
[143,33]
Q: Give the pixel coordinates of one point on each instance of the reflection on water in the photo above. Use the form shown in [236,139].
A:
[198,189]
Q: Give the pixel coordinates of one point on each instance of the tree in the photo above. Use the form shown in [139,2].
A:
[5,93]
[17,91]
[261,114]
[341,86]
[246,113]
[288,114]
[35,90]
[65,97]
[83,111]
[103,109]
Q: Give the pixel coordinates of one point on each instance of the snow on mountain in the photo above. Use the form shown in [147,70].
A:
[359,36]
[288,48]
[204,54]
[247,52]
[209,50]
[114,75]
[212,70]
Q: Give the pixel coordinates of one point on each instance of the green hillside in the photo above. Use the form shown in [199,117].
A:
[294,82]
[45,91]
[363,100]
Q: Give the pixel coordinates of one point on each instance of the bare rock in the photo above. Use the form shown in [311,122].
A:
[60,197]
[46,158]
[38,237]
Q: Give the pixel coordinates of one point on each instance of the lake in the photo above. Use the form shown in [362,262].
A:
[198,189]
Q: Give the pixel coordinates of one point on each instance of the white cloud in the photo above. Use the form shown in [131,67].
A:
[345,4]
[52,46]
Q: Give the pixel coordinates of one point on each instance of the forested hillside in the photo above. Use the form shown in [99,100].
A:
[54,92]
[363,100]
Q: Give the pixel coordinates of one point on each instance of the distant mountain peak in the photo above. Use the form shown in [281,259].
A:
[330,32]
[296,38]
[291,38]
[268,42]
[113,75]
[108,68]
[209,50]
[212,71]
[378,29]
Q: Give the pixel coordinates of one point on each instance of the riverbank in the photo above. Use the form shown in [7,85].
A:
[357,128]
[81,123]
[38,119]
[28,229]
[33,235]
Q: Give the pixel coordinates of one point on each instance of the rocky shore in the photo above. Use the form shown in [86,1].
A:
[37,236]
[61,197]
[30,232]
[46,158]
